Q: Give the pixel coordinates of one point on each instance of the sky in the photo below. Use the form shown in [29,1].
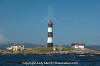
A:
[73,21]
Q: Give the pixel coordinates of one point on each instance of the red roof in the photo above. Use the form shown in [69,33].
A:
[17,45]
[50,21]
[82,44]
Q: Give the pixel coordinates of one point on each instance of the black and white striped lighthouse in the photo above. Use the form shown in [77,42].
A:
[50,34]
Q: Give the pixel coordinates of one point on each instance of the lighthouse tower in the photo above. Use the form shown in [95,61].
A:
[50,34]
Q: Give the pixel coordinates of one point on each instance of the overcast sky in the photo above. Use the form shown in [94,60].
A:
[73,21]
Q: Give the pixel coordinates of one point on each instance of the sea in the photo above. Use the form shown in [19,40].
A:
[50,60]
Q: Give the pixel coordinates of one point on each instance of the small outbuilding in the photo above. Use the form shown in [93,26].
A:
[16,47]
[78,45]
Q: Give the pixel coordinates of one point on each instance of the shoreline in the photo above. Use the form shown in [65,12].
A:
[55,54]
[40,51]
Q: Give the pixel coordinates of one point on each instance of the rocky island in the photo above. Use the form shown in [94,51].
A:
[52,50]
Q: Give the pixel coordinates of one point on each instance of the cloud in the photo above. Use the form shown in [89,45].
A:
[3,39]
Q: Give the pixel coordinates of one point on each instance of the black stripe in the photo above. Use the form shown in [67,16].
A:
[49,25]
[50,34]
[50,45]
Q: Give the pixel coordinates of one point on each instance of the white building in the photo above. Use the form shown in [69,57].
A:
[78,45]
[16,47]
[8,48]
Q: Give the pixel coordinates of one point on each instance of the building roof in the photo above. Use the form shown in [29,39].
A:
[17,44]
[79,44]
[50,21]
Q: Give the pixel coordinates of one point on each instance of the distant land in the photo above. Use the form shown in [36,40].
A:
[26,45]
[94,47]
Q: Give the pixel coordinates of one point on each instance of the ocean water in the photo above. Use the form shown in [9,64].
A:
[50,60]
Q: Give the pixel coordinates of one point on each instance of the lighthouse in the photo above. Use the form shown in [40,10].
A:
[50,34]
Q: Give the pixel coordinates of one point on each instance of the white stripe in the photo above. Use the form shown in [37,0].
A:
[50,40]
[49,29]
